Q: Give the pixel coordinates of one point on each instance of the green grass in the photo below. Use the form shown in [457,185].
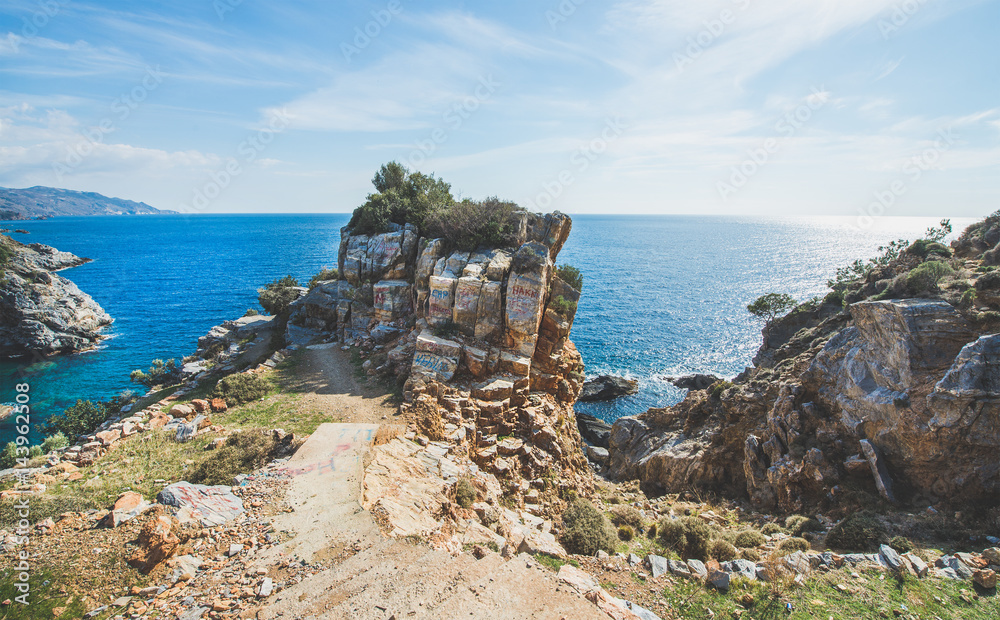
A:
[876,596]
[554,563]
[42,599]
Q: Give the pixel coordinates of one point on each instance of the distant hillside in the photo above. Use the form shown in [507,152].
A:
[35,202]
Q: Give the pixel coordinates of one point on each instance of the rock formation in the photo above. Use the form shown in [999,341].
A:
[898,398]
[484,358]
[41,311]
[607,387]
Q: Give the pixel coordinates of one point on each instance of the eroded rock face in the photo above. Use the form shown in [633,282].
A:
[42,312]
[899,396]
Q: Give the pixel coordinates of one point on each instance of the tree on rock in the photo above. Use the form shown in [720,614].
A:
[769,307]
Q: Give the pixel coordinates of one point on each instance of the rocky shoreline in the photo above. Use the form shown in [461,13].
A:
[41,312]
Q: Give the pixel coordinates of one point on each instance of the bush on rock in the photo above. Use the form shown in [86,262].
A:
[585,530]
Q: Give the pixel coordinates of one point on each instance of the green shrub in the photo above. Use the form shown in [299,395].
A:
[925,247]
[465,493]
[798,525]
[968,299]
[791,545]
[160,373]
[325,275]
[562,306]
[242,388]
[570,275]
[42,507]
[718,388]
[627,515]
[277,296]
[651,533]
[79,419]
[901,544]
[723,550]
[401,197]
[770,529]
[750,554]
[8,458]
[241,454]
[836,298]
[690,537]
[748,539]
[57,441]
[472,224]
[925,277]
[251,312]
[626,533]
[586,530]
[861,531]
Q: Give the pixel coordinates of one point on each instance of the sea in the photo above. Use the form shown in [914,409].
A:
[662,295]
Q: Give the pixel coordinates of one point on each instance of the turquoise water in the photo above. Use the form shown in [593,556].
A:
[662,295]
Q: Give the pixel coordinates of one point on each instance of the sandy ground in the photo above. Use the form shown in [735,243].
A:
[381,578]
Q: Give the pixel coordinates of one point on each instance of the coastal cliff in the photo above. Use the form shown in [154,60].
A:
[886,390]
[41,311]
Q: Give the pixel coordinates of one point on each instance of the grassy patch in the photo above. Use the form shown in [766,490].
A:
[873,597]
[46,597]
[241,454]
[553,563]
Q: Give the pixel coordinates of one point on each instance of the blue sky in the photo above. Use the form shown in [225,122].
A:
[853,107]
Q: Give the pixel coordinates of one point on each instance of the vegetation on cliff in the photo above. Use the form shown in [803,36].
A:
[405,197]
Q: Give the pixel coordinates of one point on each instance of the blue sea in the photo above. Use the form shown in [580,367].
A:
[663,295]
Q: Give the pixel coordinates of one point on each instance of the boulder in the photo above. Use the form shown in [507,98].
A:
[985,578]
[607,387]
[594,430]
[157,542]
[657,565]
[466,309]
[211,505]
[527,286]
[441,300]
[489,311]
[392,300]
[892,558]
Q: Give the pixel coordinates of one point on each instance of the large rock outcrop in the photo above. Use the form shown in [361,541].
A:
[899,397]
[479,339]
[42,312]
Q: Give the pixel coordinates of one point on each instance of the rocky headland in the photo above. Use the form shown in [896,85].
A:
[41,312]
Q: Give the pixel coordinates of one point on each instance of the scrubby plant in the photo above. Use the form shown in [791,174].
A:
[251,312]
[242,453]
[471,224]
[798,525]
[652,532]
[968,299]
[79,419]
[570,275]
[585,530]
[465,493]
[562,306]
[749,539]
[722,550]
[791,545]
[277,296]
[9,456]
[627,515]
[241,388]
[401,197]
[626,533]
[926,276]
[770,529]
[717,388]
[690,537]
[159,373]
[901,544]
[769,307]
[859,269]
[325,275]
[938,233]
[56,441]
[750,554]
[861,531]
[926,247]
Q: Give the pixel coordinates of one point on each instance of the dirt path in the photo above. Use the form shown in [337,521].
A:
[381,578]
[325,377]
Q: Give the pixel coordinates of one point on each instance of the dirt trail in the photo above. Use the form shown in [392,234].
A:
[382,578]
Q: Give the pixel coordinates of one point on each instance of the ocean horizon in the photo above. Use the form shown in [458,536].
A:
[664,295]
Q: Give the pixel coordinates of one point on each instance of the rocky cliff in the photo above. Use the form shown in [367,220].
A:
[477,340]
[43,202]
[41,311]
[892,398]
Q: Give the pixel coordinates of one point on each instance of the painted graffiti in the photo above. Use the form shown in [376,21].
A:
[431,362]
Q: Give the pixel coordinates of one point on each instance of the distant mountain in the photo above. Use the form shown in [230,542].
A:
[38,202]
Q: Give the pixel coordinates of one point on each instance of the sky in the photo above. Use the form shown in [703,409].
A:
[865,108]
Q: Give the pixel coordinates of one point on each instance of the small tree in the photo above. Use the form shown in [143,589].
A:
[278,295]
[938,233]
[769,307]
[570,275]
[160,373]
